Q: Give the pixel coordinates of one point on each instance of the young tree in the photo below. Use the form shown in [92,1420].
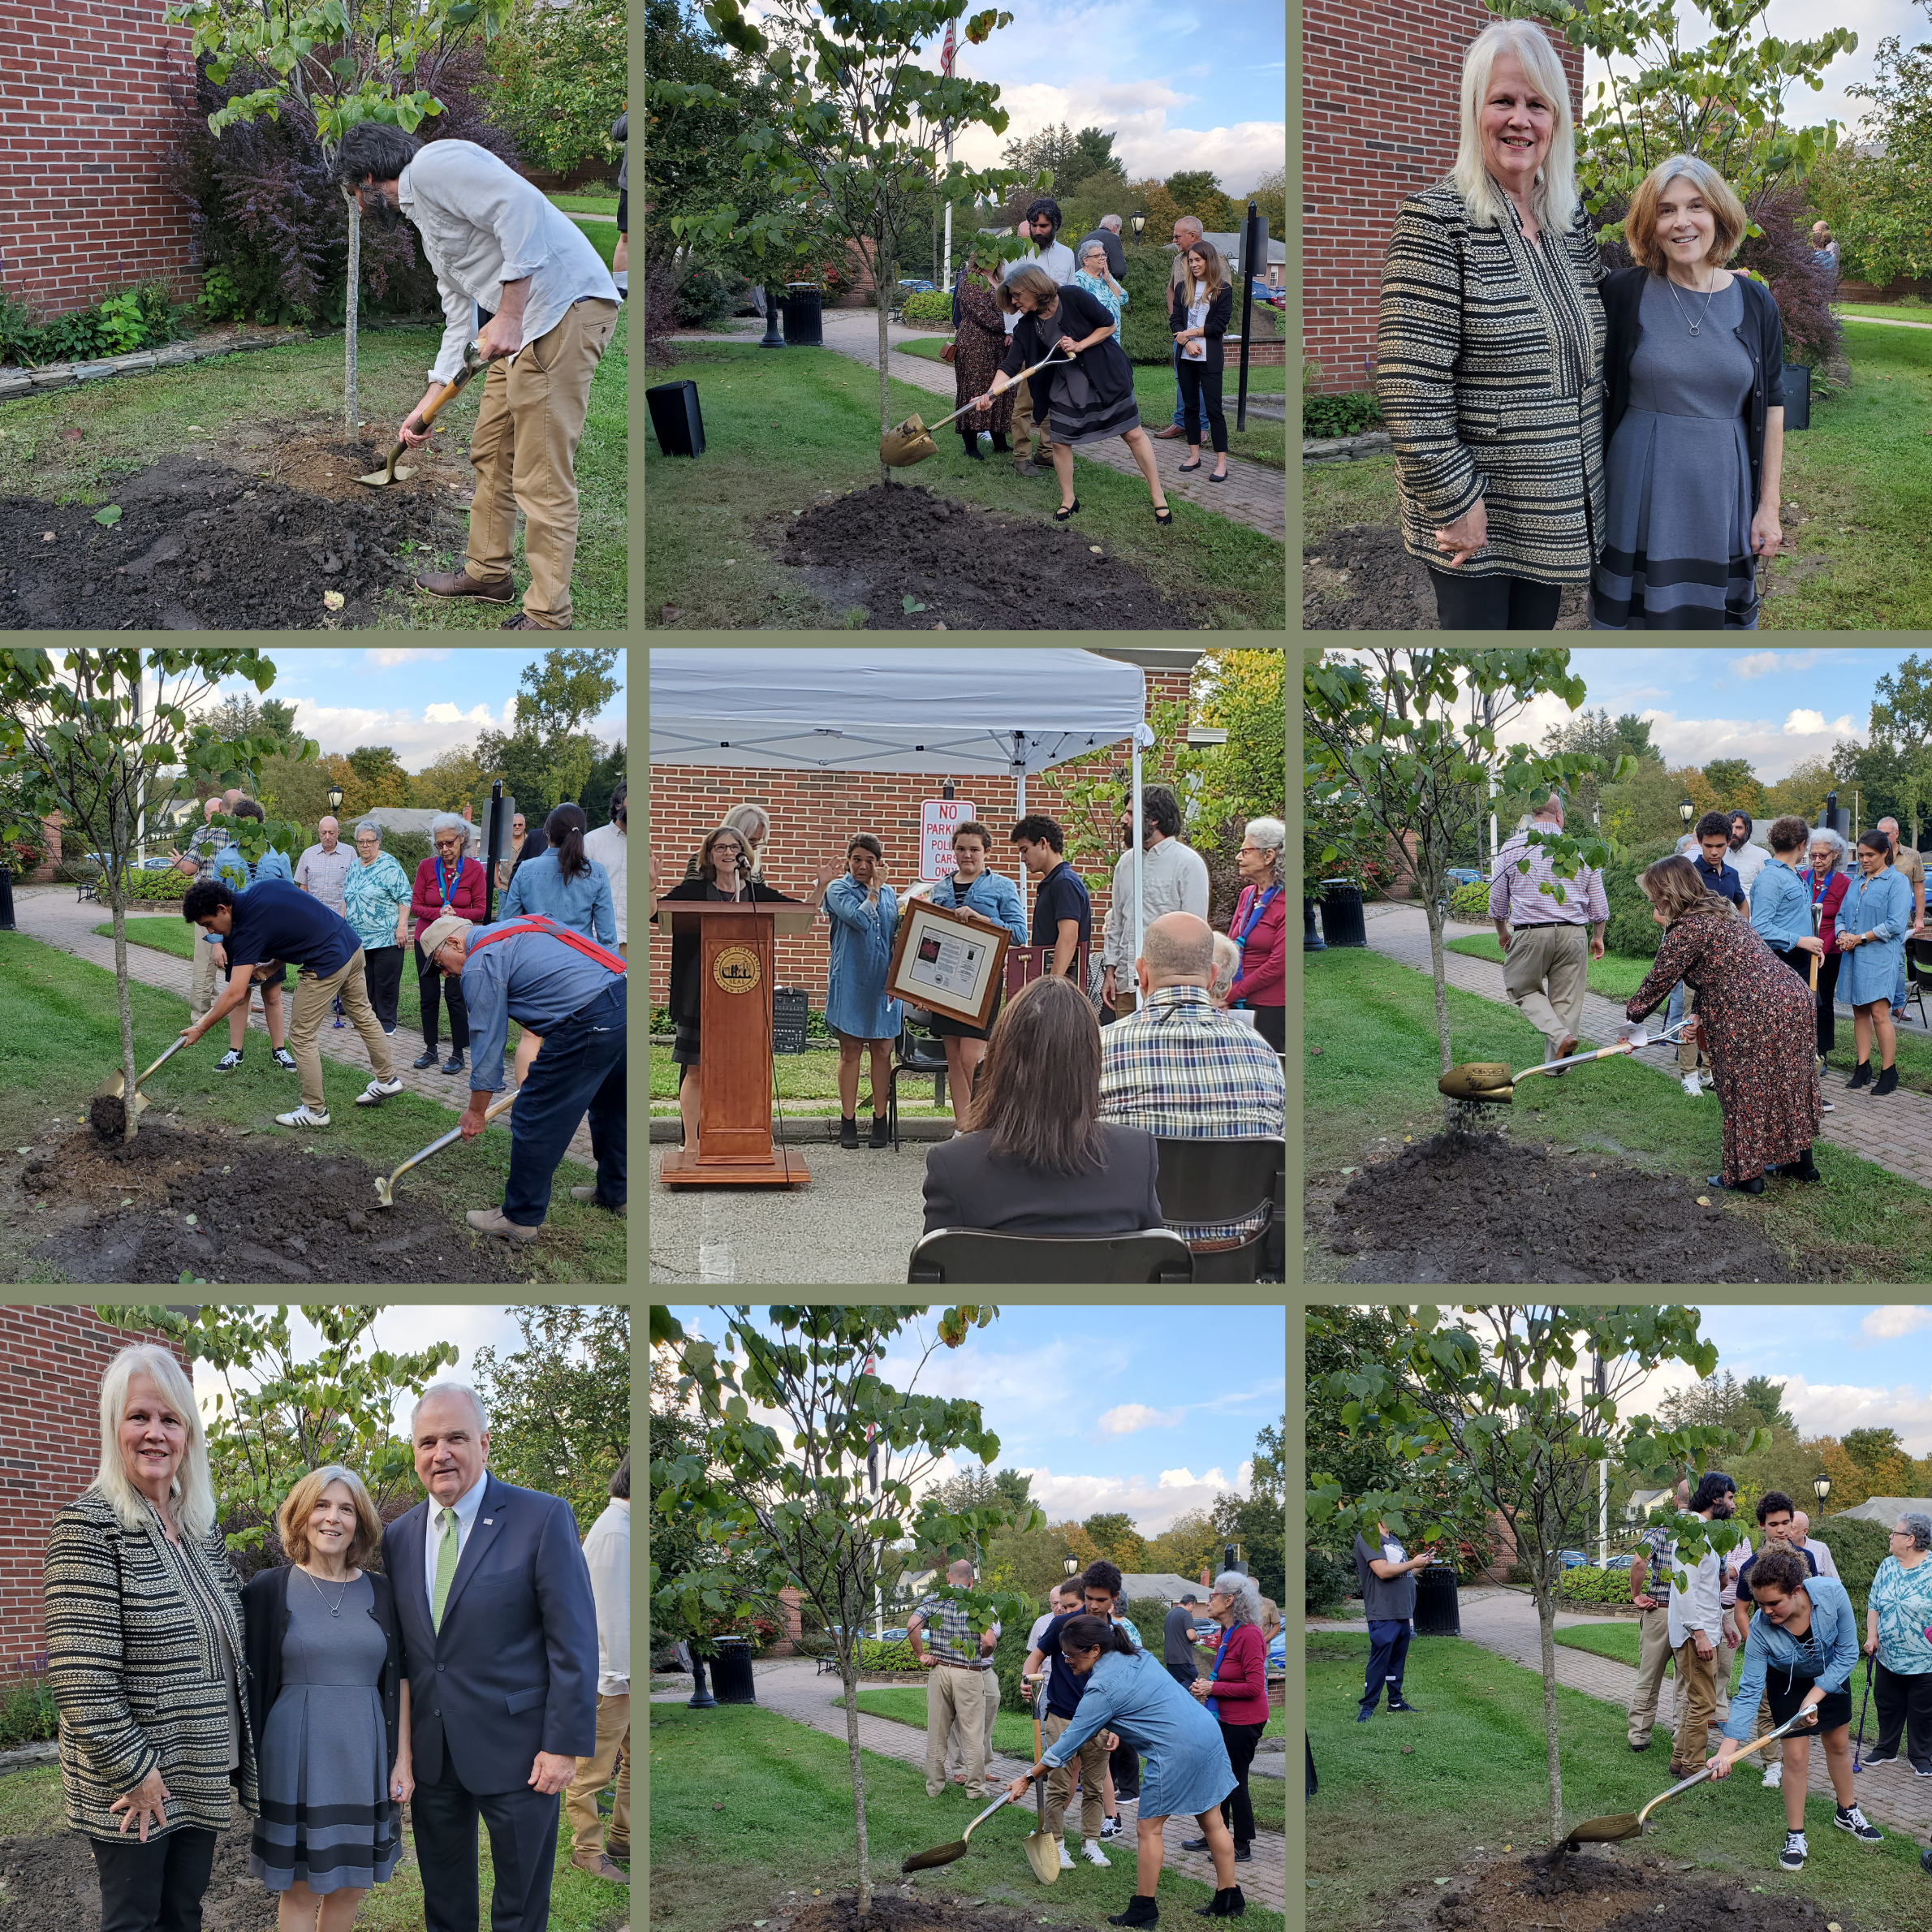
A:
[89,736]
[809,1506]
[1407,741]
[1884,222]
[547,757]
[561,81]
[1518,1416]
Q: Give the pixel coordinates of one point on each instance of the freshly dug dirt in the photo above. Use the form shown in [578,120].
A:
[973,569]
[51,1885]
[237,536]
[1358,577]
[1618,1890]
[898,1910]
[1476,1207]
[288,1209]
[108,1116]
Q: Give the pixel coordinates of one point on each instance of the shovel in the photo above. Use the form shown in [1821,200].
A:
[925,1861]
[1628,1824]
[386,1184]
[388,474]
[116,1087]
[1042,1848]
[912,441]
[1491,1082]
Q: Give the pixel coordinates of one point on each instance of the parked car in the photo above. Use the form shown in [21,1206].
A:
[915,285]
[1462,875]
[1278,1651]
[1573,1559]
[1619,1563]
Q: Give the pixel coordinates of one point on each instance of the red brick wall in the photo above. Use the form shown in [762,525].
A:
[1380,91]
[85,114]
[813,815]
[51,1361]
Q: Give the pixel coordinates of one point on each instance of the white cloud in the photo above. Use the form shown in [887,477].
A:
[1762,663]
[1185,1479]
[417,737]
[1152,1506]
[1803,724]
[1888,1324]
[1131,1416]
[1834,1409]
[394,660]
[478,714]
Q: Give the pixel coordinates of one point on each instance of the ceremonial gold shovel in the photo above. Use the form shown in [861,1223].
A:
[386,1184]
[912,441]
[1490,1082]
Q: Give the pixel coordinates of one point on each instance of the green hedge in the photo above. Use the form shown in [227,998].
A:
[1588,1585]
[928,305]
[1858,1548]
[1326,417]
[1329,1581]
[1470,903]
[28,1714]
[1144,330]
[1632,934]
[875,1656]
[162,886]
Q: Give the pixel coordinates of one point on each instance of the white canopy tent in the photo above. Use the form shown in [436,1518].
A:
[1014,711]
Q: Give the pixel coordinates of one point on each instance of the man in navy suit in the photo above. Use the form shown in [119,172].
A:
[500,1650]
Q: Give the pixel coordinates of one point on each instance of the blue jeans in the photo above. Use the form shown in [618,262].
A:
[581,1066]
[1897,991]
[1388,1646]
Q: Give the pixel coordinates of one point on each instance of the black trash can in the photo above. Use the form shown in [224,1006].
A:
[1342,913]
[805,322]
[1437,1614]
[675,417]
[732,1672]
[1311,940]
[7,900]
[1798,396]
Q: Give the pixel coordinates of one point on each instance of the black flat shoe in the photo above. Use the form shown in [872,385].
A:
[454,1063]
[1195,464]
[1244,1854]
[1861,1075]
[1888,1082]
[1164,514]
[431,1058]
[1221,478]
[1754,1185]
[1193,1844]
[1060,516]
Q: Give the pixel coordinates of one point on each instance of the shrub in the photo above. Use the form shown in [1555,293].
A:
[1329,1581]
[1632,932]
[928,305]
[1857,1548]
[1470,903]
[1588,1585]
[815,1644]
[1144,330]
[133,318]
[1324,417]
[1009,1660]
[707,297]
[875,1656]
[28,1714]
[660,313]
[162,886]
[1519,1573]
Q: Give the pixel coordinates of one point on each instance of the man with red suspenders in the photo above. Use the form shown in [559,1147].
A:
[570,990]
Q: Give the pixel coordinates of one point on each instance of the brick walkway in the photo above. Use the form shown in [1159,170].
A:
[1504,1621]
[52,913]
[1253,493]
[796,1690]
[1895,1133]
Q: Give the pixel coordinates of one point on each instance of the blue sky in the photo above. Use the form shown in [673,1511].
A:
[1860,1367]
[422,702]
[1775,708]
[1151,1411]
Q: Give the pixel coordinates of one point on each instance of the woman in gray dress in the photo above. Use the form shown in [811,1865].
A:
[329,1702]
[1694,358]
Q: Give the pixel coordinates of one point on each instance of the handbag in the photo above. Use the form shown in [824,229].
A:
[947,353]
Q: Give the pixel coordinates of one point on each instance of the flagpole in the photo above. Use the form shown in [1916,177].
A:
[946,67]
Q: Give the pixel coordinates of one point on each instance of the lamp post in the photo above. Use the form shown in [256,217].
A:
[1821,1489]
[1137,220]
[335,798]
[1687,811]
[1070,1567]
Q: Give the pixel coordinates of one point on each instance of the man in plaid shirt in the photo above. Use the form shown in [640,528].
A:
[962,1666]
[1185,1071]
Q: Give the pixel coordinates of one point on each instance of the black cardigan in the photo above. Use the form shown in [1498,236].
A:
[1104,365]
[1219,311]
[684,990]
[1761,332]
[264,1609]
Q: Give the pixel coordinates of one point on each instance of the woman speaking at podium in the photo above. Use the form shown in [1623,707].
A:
[724,867]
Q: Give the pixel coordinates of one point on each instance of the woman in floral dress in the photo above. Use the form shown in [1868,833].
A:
[979,345]
[1756,1021]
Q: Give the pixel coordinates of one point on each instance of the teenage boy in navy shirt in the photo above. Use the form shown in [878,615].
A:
[1062,914]
[1714,842]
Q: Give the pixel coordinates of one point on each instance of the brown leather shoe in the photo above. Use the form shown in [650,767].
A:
[525,622]
[1030,468]
[599,1867]
[460,583]
[1171,430]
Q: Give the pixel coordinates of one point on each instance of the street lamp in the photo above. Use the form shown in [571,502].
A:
[1821,1489]
[1138,222]
[1687,811]
[1070,1566]
[335,798]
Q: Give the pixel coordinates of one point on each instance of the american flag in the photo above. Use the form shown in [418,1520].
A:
[947,51]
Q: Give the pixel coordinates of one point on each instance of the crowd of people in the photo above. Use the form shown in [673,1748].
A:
[1062,306]
[1767,941]
[343,917]
[483,1671]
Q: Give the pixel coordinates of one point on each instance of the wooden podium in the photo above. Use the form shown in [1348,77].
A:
[734,1013]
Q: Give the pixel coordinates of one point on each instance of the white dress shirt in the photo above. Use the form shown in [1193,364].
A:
[1697,1608]
[607,1556]
[465,1506]
[610,847]
[1174,879]
[1820,1556]
[483,224]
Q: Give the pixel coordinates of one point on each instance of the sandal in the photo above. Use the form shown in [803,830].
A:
[1060,516]
[1163,513]
[1195,464]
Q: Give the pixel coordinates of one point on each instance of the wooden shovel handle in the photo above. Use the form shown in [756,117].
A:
[470,366]
[1743,1751]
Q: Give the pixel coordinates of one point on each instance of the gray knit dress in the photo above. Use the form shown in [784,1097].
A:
[327,1819]
[1676,554]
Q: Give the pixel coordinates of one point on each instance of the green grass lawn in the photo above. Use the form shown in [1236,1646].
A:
[1475,1778]
[1261,381]
[812,1076]
[593,198]
[1373,1079]
[781,430]
[1613,976]
[133,422]
[746,1805]
[1894,311]
[1622,1640]
[60,1038]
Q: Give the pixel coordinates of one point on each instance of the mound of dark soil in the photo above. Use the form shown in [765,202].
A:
[52,1885]
[899,1910]
[254,537]
[973,569]
[283,1210]
[1467,1207]
[1360,578]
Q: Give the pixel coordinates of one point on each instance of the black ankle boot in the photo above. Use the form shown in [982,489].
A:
[881,1135]
[1225,1904]
[1861,1075]
[972,448]
[1001,446]
[1140,1910]
[1804,1168]
[848,1132]
[1888,1082]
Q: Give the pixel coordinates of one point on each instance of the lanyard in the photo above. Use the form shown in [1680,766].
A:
[445,889]
[1256,908]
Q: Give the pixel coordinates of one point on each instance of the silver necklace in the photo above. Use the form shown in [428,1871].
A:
[1709,299]
[334,1608]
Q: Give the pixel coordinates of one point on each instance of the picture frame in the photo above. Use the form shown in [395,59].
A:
[946,962]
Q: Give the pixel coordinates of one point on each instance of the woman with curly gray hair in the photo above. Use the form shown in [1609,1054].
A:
[447,883]
[1828,879]
[1235,1692]
[1898,1632]
[1259,929]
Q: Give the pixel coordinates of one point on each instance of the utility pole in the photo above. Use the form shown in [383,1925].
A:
[1602,1480]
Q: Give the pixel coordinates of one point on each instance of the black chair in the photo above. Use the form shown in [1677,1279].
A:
[915,1052]
[1918,973]
[971,1254]
[1209,1181]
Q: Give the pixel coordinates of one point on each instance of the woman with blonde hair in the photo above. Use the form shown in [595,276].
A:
[329,1707]
[145,1654]
[1694,359]
[1489,356]
[1198,311]
[1755,1019]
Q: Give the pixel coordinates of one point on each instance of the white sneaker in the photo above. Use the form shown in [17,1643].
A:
[1691,1086]
[303,1117]
[1773,1776]
[1092,1852]
[376,1092]
[1066,1857]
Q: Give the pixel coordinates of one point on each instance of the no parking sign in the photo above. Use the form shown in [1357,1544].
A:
[939,819]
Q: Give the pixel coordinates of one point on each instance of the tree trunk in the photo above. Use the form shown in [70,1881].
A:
[849,1670]
[352,414]
[1546,1617]
[117,904]
[1439,972]
[882,277]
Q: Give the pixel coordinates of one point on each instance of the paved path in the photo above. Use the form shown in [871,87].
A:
[795,1689]
[53,914]
[1504,1621]
[1884,322]
[1253,494]
[1894,1132]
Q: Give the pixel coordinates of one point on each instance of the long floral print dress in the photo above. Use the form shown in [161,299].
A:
[1757,1026]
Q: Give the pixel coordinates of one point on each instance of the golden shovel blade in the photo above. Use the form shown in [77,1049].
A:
[1479,1080]
[1043,1855]
[908,443]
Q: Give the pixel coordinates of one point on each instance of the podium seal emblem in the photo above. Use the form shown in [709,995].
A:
[736,969]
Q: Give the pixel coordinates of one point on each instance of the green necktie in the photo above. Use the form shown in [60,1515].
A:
[446,1567]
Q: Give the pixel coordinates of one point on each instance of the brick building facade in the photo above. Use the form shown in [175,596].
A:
[51,1362]
[814,815]
[1380,100]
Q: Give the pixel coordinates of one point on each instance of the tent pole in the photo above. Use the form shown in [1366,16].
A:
[1140,894]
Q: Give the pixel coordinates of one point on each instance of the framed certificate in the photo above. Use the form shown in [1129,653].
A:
[946,962]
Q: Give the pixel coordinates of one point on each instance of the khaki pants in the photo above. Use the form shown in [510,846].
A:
[1772,1753]
[953,1692]
[593,1774]
[955,1753]
[524,449]
[1544,974]
[1654,1653]
[1696,1704]
[1092,1762]
[1027,433]
[201,995]
[312,996]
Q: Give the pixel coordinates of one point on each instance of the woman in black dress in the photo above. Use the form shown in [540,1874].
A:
[1089,388]
[1199,307]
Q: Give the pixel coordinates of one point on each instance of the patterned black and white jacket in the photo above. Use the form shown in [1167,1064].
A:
[1490,374]
[135,1626]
